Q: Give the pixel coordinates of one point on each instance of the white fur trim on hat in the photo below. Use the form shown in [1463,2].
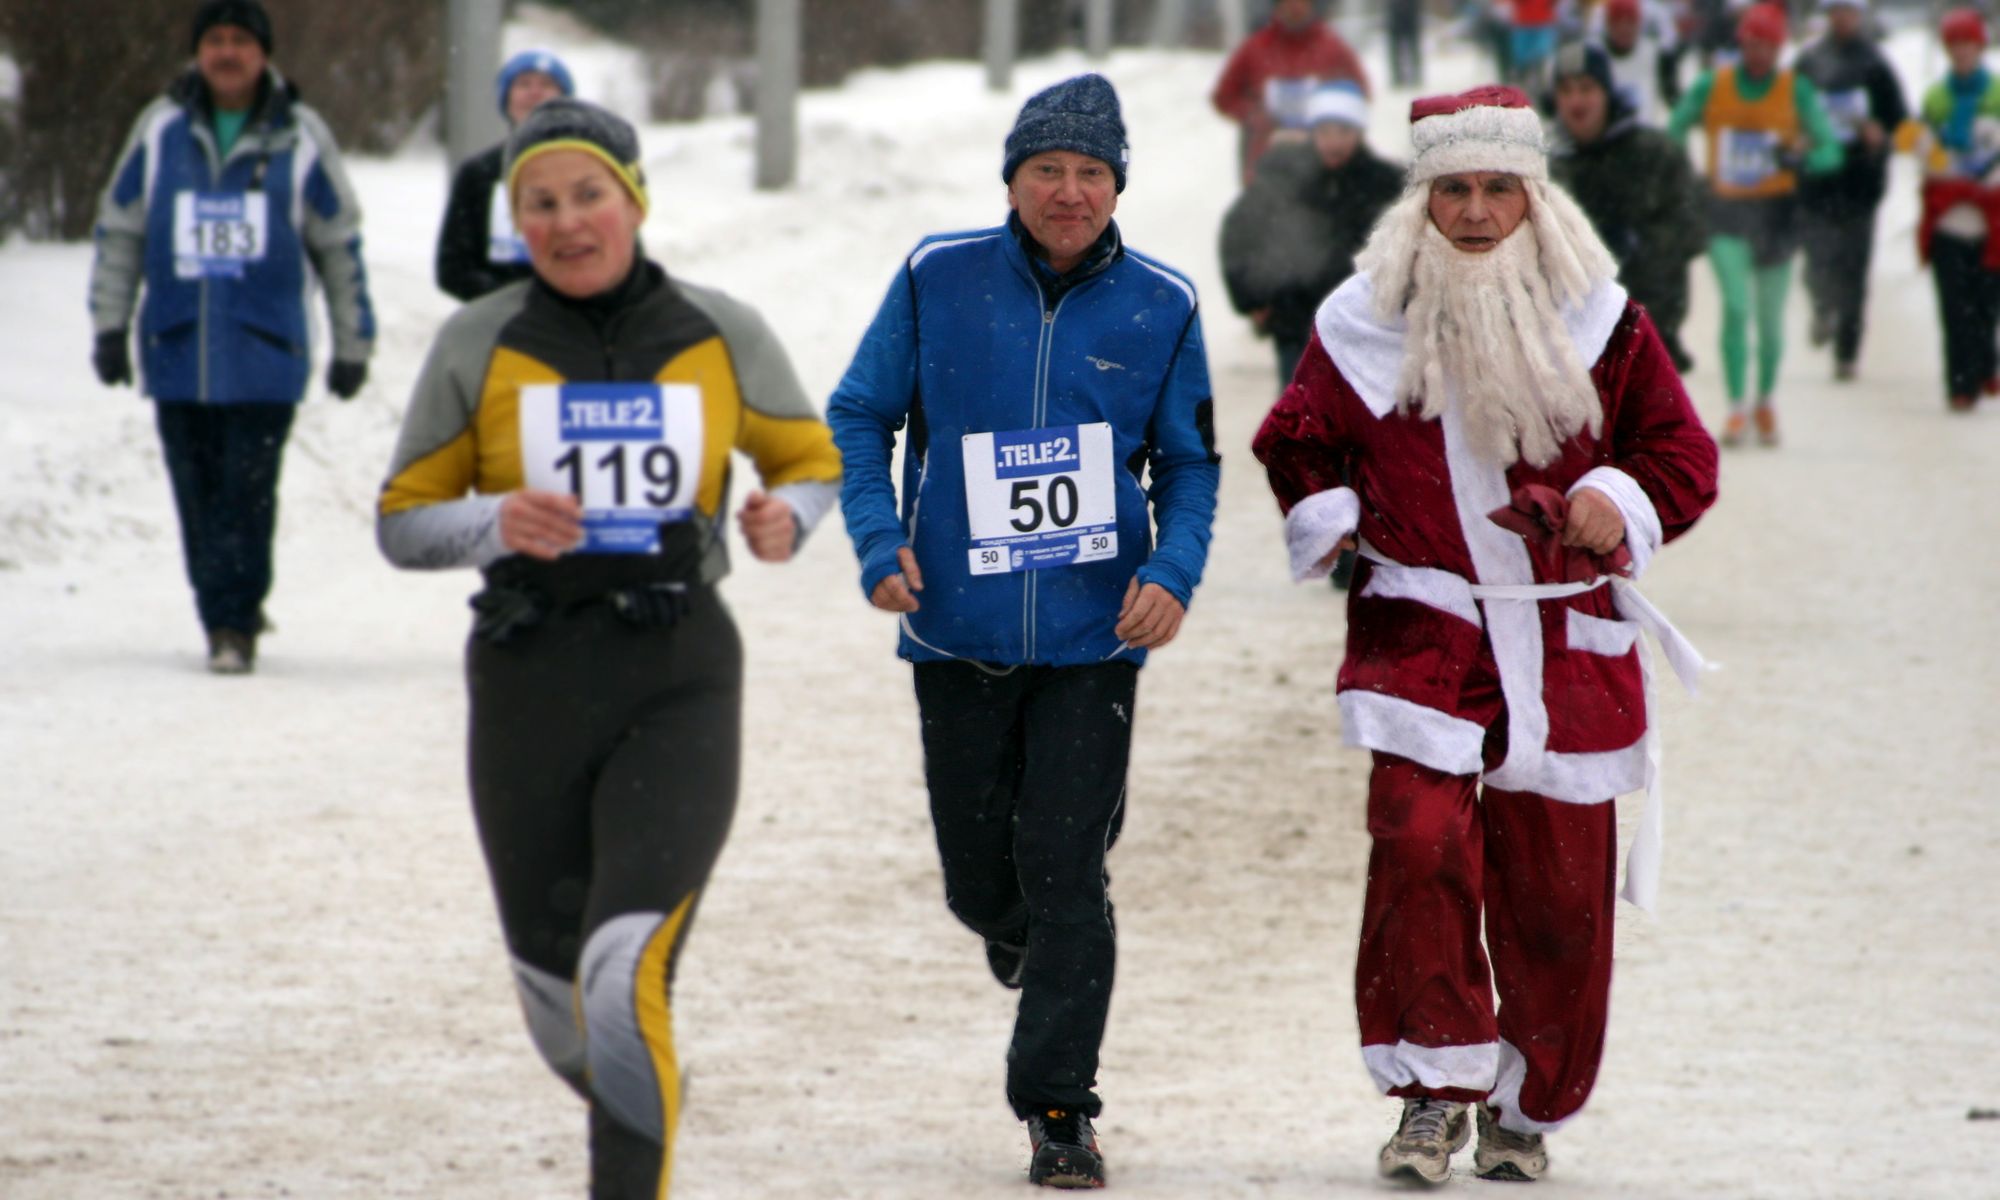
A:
[1485,137]
[1343,104]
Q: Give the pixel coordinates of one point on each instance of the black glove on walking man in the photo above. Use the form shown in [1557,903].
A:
[112,359]
[344,379]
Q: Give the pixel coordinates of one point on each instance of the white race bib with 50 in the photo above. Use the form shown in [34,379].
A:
[1039,498]
[632,452]
[503,244]
[216,233]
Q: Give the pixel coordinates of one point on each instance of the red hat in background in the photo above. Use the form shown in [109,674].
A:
[1963,25]
[1762,23]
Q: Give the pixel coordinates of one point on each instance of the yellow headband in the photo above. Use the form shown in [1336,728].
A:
[629,174]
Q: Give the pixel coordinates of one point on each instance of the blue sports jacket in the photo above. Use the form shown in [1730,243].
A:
[220,339]
[977,336]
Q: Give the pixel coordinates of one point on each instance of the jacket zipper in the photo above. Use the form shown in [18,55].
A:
[1031,593]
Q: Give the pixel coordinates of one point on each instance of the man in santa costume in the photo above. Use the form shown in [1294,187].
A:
[1517,446]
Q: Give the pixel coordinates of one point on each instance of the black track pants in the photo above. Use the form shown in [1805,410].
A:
[1837,254]
[604,771]
[224,461]
[1968,303]
[1027,781]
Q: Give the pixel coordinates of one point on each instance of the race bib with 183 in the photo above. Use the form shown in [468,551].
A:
[216,233]
[1286,100]
[1039,498]
[1749,157]
[632,452]
[1847,110]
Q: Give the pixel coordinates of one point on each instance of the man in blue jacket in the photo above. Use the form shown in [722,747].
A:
[226,202]
[1040,367]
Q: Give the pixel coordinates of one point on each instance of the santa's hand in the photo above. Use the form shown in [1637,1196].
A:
[1594,522]
[1326,565]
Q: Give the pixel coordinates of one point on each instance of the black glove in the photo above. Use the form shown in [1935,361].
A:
[112,359]
[344,379]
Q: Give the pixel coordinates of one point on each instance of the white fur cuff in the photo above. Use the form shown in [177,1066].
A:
[1642,521]
[1315,526]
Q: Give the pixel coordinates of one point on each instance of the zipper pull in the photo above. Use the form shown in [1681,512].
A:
[1048,316]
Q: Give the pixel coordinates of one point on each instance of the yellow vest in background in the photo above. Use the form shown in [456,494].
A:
[1745,137]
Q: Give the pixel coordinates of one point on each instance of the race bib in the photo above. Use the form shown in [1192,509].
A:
[1039,498]
[632,452]
[503,243]
[1748,157]
[1847,110]
[1285,100]
[216,233]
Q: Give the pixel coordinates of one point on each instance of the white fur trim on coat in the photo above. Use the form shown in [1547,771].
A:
[1441,590]
[1393,725]
[1315,526]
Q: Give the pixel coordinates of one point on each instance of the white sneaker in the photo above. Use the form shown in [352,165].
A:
[1506,1155]
[1431,1131]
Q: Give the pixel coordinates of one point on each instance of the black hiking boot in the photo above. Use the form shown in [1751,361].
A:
[1065,1150]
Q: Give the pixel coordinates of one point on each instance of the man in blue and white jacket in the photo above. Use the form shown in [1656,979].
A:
[227,201]
[1041,367]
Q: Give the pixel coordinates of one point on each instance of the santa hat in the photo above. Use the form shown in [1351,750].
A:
[1762,23]
[1963,25]
[1486,129]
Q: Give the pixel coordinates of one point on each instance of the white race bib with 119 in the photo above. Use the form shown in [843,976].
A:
[632,452]
[216,233]
[1038,498]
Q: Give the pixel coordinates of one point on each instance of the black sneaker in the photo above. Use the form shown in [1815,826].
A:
[1065,1150]
[1007,961]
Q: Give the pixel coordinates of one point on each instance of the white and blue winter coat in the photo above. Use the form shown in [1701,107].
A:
[216,338]
[978,336]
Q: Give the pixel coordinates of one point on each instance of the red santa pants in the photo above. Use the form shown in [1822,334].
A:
[1542,873]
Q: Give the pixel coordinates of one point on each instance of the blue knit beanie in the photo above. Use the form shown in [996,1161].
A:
[1079,114]
[532,60]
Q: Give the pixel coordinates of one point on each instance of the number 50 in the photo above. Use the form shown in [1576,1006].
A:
[1061,496]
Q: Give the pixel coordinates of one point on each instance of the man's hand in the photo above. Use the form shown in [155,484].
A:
[1260,319]
[541,524]
[1594,522]
[897,593]
[344,379]
[1333,556]
[111,358]
[1150,616]
[1872,136]
[770,527]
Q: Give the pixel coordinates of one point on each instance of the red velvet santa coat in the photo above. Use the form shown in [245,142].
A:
[1569,668]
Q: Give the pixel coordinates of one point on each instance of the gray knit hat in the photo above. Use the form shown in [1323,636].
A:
[565,124]
[1079,114]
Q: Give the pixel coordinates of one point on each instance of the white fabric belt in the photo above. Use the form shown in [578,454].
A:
[1642,864]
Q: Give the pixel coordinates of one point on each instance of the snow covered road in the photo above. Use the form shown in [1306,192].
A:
[246,946]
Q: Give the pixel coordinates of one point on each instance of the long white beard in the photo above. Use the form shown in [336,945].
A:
[1488,328]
